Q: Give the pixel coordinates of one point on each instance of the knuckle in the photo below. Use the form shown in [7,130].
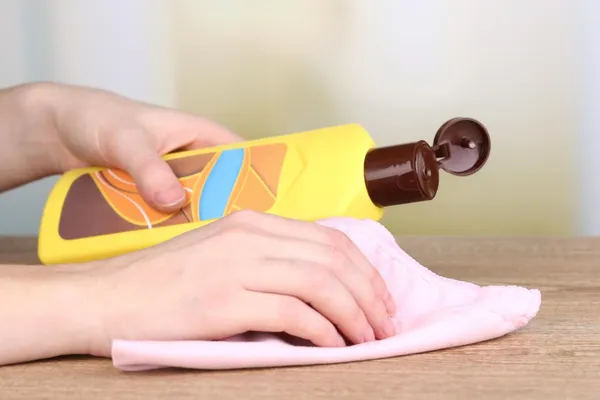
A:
[294,315]
[235,234]
[373,276]
[235,231]
[244,217]
[321,330]
[339,239]
[337,259]
[373,300]
[288,310]
[357,314]
[320,279]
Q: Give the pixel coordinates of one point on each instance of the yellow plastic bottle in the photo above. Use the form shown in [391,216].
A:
[95,213]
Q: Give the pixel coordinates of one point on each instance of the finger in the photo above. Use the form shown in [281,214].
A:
[212,134]
[353,279]
[360,283]
[136,154]
[340,242]
[198,132]
[266,312]
[315,285]
[313,232]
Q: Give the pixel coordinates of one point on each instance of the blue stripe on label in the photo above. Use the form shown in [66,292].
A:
[219,184]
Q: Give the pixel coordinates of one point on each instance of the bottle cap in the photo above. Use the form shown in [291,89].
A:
[409,173]
[463,144]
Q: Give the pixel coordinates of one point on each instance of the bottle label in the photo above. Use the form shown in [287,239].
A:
[216,184]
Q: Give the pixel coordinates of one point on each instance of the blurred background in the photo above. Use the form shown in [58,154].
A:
[529,70]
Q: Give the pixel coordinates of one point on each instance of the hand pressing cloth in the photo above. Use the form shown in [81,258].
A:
[433,313]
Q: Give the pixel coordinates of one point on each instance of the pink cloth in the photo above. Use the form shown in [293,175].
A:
[433,313]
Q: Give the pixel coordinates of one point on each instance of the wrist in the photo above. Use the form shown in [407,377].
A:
[30,147]
[55,311]
[75,300]
[40,139]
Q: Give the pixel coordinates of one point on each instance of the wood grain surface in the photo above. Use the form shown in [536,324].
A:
[557,356]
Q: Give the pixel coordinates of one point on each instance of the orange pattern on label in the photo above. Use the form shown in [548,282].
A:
[216,185]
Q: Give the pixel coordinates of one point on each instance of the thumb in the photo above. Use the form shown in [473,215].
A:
[153,177]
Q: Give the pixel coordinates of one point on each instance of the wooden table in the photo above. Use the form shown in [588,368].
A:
[557,356]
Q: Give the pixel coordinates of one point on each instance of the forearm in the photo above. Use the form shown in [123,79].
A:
[29,141]
[45,312]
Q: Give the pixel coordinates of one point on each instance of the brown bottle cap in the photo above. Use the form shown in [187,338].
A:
[409,173]
[463,144]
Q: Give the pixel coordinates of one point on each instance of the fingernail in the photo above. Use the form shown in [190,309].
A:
[170,196]
[388,328]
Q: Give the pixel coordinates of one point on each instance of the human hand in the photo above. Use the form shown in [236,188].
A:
[246,272]
[99,128]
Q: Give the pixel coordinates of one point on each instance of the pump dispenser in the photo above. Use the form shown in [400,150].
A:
[95,213]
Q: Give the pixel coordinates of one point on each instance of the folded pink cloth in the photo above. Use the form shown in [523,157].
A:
[433,313]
